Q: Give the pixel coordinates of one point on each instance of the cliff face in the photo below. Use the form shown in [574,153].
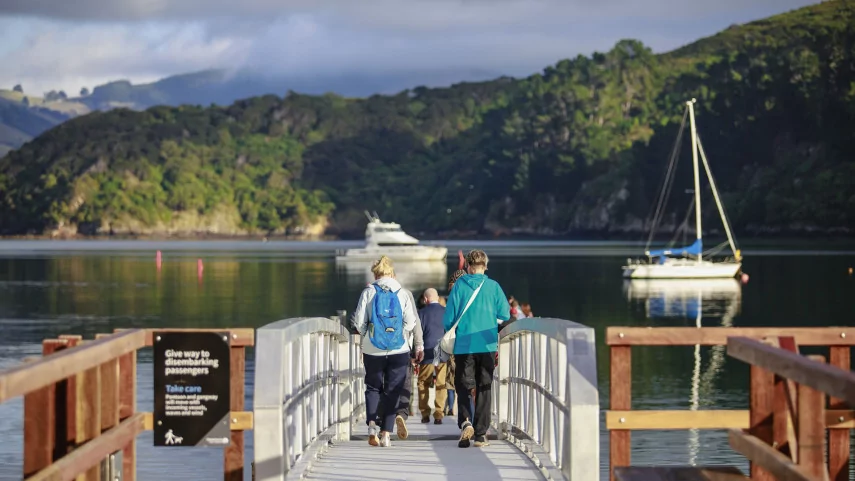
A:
[580,148]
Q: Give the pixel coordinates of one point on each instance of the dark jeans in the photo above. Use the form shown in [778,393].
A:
[474,371]
[385,378]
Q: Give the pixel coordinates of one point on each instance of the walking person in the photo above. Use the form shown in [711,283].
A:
[385,317]
[476,303]
[449,387]
[432,371]
[450,369]
[405,401]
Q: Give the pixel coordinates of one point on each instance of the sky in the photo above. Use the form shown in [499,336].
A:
[69,44]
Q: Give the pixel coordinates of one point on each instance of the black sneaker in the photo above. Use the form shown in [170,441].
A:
[466,434]
[481,441]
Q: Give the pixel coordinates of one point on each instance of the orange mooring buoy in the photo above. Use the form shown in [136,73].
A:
[158,260]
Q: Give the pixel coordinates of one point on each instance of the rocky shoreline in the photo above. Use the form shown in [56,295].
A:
[763,233]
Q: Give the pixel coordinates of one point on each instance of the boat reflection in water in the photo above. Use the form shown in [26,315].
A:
[716,300]
[688,299]
[415,276]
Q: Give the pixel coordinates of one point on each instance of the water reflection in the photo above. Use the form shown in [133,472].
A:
[717,300]
[415,276]
[687,299]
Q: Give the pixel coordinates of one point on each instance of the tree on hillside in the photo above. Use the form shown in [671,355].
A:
[18,88]
[84,92]
[26,101]
[53,96]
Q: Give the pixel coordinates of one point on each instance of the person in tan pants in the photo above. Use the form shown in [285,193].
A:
[432,374]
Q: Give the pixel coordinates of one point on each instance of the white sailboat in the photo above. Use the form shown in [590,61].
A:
[687,262]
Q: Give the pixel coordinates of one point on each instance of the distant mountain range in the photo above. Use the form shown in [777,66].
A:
[24,116]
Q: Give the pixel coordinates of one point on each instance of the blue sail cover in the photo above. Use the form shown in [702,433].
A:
[695,249]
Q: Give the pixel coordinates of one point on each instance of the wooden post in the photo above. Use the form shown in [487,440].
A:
[127,408]
[838,439]
[233,454]
[620,399]
[811,429]
[66,406]
[88,420]
[784,408]
[109,392]
[760,415]
[40,420]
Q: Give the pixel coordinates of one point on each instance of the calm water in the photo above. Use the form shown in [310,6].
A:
[53,288]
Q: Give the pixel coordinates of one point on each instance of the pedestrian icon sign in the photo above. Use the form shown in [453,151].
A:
[171,438]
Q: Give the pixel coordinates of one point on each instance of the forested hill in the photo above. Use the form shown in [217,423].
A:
[581,147]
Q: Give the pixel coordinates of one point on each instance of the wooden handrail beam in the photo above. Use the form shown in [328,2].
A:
[28,377]
[767,457]
[820,376]
[93,452]
[679,419]
[240,421]
[717,336]
[240,337]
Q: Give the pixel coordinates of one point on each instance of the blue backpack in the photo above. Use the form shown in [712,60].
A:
[386,329]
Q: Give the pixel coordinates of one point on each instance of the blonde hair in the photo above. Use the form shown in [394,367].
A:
[477,257]
[382,267]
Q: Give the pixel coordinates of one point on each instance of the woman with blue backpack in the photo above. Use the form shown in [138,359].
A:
[385,316]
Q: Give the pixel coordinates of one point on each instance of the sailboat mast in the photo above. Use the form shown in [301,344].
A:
[691,104]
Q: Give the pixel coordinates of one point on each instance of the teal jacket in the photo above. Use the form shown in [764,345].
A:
[478,330]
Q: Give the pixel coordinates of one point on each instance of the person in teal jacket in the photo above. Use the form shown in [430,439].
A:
[476,344]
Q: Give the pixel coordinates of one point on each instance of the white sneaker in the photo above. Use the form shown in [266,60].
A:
[401,425]
[385,440]
[372,434]
[466,433]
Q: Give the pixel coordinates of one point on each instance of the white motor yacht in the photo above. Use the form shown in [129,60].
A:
[387,238]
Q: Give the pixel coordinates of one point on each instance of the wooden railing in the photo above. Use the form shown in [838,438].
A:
[80,405]
[621,419]
[787,436]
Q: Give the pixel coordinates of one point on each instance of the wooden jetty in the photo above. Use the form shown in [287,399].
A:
[81,420]
[795,401]
[80,417]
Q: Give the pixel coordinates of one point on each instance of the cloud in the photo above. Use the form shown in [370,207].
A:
[402,13]
[57,43]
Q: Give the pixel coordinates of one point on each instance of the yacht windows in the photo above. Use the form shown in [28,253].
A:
[387,229]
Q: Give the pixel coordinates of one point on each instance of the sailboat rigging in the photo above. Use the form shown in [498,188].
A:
[687,262]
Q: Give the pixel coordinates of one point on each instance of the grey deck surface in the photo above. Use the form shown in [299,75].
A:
[417,458]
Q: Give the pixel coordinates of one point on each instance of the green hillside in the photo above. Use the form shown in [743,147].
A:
[21,122]
[581,147]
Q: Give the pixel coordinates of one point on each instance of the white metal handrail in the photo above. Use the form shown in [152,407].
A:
[548,402]
[308,384]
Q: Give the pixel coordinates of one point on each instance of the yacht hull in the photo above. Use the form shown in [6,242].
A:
[396,253]
[683,269]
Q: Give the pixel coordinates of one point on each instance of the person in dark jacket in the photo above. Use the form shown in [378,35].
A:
[432,373]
